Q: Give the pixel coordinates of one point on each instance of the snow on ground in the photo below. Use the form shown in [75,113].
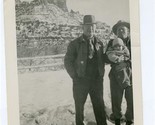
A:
[51,89]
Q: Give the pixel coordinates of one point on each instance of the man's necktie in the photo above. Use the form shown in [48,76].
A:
[91,49]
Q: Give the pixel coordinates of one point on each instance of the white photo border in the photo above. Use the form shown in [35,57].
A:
[11,62]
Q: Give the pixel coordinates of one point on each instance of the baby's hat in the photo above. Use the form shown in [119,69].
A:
[118,41]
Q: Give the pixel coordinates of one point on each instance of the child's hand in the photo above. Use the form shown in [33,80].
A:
[121,58]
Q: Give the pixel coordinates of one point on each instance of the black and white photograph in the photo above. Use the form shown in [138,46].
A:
[74,62]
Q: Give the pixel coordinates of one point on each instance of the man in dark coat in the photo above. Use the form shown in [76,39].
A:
[121,30]
[84,62]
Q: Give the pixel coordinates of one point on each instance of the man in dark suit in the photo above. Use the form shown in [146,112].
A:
[122,30]
[84,62]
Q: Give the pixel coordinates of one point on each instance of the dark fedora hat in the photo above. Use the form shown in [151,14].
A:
[118,24]
[88,19]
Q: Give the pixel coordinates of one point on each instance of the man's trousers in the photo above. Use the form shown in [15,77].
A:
[81,88]
[116,97]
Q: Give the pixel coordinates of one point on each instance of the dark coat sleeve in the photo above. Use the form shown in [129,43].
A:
[70,58]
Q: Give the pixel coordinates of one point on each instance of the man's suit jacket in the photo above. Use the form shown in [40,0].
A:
[77,54]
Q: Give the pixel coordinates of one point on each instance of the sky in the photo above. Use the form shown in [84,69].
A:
[108,11]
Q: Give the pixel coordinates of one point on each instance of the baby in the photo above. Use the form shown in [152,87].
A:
[119,54]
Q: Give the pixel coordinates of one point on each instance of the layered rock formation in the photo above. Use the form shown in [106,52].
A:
[60,3]
[41,23]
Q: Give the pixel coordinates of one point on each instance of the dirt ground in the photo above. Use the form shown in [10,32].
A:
[44,91]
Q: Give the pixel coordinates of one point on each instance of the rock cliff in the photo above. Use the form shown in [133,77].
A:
[41,21]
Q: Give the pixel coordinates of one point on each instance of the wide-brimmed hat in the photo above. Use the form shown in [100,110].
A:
[88,19]
[118,24]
